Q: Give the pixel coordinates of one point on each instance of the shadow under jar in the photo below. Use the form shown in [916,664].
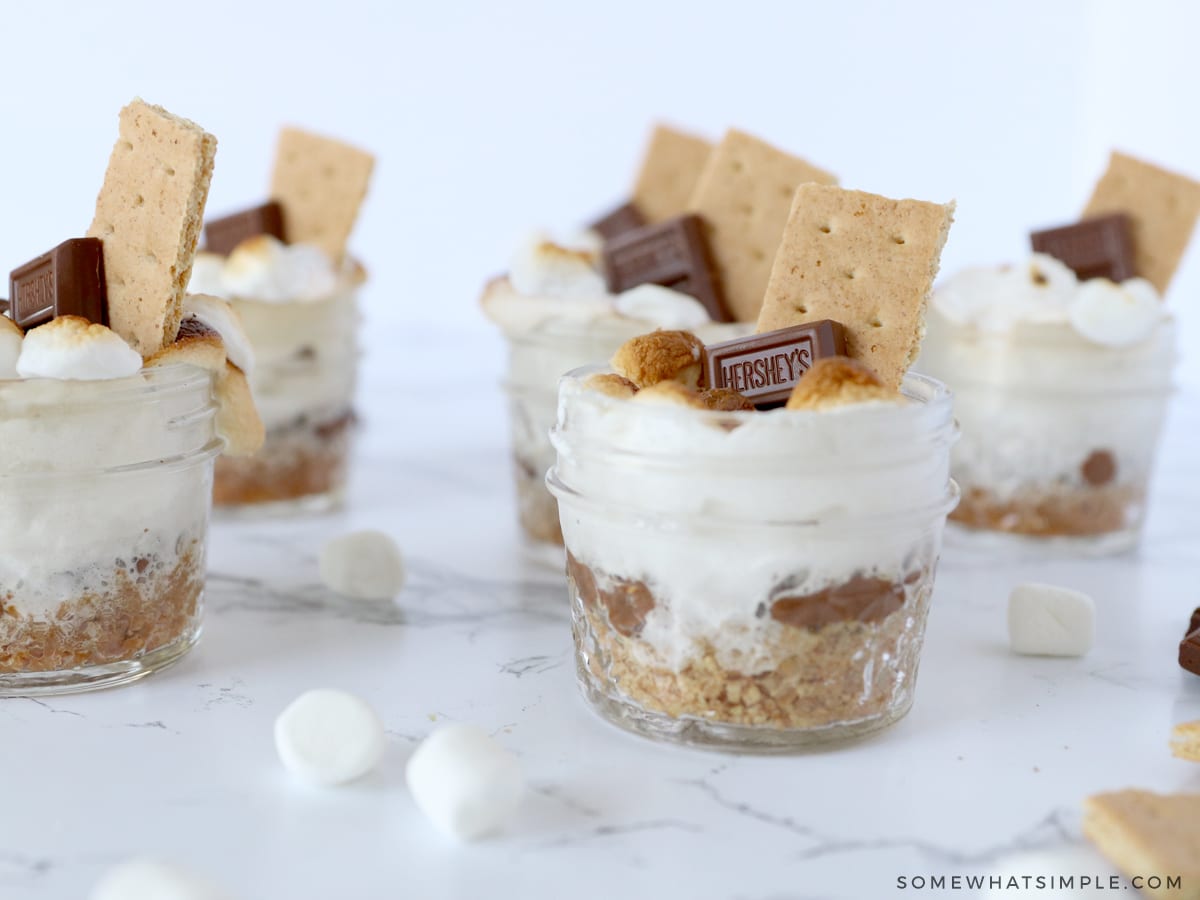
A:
[752,581]
[1059,434]
[306,367]
[105,492]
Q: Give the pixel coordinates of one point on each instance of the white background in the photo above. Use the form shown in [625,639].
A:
[490,118]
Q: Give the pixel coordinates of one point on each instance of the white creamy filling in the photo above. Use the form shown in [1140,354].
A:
[666,496]
[269,271]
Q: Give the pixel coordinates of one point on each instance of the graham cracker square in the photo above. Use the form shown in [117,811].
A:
[1162,207]
[1145,834]
[320,183]
[669,173]
[148,215]
[863,260]
[744,195]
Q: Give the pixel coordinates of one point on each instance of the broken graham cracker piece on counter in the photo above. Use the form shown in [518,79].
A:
[839,381]
[1162,207]
[320,183]
[670,170]
[660,356]
[863,260]
[1185,740]
[744,196]
[1143,833]
[148,215]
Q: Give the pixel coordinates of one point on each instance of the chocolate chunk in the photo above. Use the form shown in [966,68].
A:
[223,235]
[67,281]
[625,217]
[1189,652]
[3,306]
[765,367]
[1099,468]
[672,253]
[1195,623]
[1094,248]
[860,599]
[627,602]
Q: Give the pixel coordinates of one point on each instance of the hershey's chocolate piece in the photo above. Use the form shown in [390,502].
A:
[224,234]
[674,254]
[1093,248]
[765,367]
[1195,624]
[1189,652]
[67,281]
[625,217]
[1099,468]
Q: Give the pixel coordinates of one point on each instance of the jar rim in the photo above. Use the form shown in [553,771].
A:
[151,380]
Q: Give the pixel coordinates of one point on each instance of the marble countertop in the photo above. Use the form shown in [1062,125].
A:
[993,761]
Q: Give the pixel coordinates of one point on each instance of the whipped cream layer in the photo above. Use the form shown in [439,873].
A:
[715,519]
[1043,291]
[93,472]
[301,316]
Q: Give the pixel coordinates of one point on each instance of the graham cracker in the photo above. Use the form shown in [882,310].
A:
[148,215]
[865,261]
[320,183]
[669,173]
[1185,740]
[1162,207]
[1146,834]
[744,195]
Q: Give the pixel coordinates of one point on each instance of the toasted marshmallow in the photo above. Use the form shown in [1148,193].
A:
[195,344]
[660,356]
[74,349]
[671,393]
[264,268]
[224,320]
[725,400]
[238,421]
[662,306]
[613,385]
[10,347]
[542,268]
[996,299]
[839,381]
[1116,315]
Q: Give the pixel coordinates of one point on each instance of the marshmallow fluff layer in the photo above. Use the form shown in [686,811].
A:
[99,471]
[715,519]
[300,314]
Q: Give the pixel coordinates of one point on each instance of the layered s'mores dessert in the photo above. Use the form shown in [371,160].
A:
[752,525]
[284,267]
[1062,366]
[691,249]
[116,394]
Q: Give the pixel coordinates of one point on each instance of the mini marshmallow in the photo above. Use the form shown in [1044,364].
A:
[363,564]
[329,737]
[1116,315]
[147,879]
[10,347]
[542,268]
[75,349]
[464,782]
[222,318]
[264,268]
[1045,620]
[662,307]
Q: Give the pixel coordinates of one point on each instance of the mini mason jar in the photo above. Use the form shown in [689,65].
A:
[1058,433]
[105,490]
[753,581]
[306,366]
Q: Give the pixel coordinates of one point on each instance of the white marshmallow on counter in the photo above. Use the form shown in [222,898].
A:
[542,268]
[1045,620]
[664,307]
[10,347]
[464,782]
[147,879]
[222,318]
[74,349]
[366,565]
[1116,315]
[329,737]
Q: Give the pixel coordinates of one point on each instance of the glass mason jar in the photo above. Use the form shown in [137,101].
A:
[1058,433]
[306,366]
[105,490]
[754,581]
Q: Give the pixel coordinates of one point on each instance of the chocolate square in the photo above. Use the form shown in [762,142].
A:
[765,367]
[1094,248]
[625,217]
[66,281]
[223,235]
